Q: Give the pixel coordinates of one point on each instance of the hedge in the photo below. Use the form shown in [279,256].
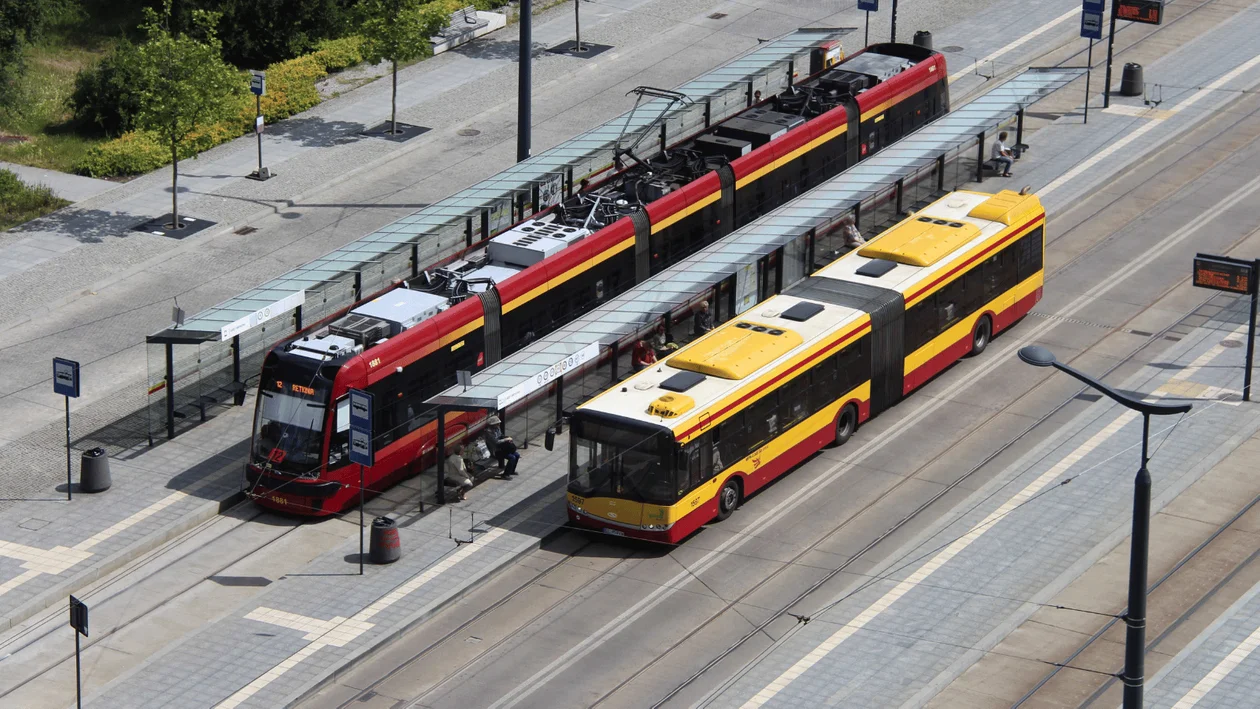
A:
[338,54]
[290,90]
[133,153]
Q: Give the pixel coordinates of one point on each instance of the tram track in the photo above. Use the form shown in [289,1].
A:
[1154,607]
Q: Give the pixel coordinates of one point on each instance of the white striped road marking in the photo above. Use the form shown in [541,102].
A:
[1017,43]
[943,557]
[59,559]
[1220,672]
[1145,128]
[926,408]
[338,631]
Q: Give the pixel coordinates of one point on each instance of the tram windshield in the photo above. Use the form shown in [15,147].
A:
[289,422]
[612,460]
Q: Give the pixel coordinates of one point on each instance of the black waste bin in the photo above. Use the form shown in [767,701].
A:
[923,38]
[94,471]
[1131,80]
[385,547]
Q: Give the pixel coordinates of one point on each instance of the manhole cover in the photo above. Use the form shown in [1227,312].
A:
[33,524]
[468,132]
[717,15]
[1231,343]
[952,48]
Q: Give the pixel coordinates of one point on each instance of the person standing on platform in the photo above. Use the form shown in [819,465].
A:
[703,321]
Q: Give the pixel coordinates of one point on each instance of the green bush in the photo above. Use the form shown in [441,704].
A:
[105,93]
[338,54]
[133,153]
[291,87]
[20,202]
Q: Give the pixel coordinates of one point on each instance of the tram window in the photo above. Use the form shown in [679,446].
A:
[339,441]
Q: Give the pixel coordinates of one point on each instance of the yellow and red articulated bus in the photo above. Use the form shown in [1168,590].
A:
[683,443]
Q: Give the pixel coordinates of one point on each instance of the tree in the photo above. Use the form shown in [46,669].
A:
[184,85]
[20,23]
[399,31]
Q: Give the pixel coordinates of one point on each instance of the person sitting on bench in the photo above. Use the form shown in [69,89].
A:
[1002,155]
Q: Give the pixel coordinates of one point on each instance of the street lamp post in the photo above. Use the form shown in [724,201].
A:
[1135,616]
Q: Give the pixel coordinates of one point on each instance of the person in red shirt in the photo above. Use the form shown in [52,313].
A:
[642,357]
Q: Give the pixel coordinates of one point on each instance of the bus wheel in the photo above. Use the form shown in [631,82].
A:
[984,333]
[846,424]
[728,498]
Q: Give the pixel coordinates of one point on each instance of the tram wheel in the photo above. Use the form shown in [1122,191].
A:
[728,498]
[981,337]
[846,424]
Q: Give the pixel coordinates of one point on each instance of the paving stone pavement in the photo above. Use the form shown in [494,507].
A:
[50,547]
[308,625]
[1220,668]
[916,622]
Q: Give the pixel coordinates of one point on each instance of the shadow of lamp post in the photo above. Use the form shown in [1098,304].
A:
[1135,616]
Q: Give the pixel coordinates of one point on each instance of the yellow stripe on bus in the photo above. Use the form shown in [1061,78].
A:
[730,399]
[777,447]
[965,327]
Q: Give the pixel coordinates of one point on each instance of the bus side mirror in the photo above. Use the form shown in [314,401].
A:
[549,440]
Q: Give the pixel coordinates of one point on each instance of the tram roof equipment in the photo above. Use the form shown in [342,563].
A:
[500,384]
[724,88]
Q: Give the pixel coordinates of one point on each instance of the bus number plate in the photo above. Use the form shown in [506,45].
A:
[614,532]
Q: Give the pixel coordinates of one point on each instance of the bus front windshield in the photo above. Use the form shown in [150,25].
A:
[289,424]
[608,460]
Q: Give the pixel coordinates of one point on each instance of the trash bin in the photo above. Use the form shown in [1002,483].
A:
[1131,80]
[923,38]
[385,547]
[94,471]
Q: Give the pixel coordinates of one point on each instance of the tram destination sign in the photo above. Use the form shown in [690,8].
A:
[1224,273]
[1150,12]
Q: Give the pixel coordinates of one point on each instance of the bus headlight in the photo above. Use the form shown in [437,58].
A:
[656,527]
[576,509]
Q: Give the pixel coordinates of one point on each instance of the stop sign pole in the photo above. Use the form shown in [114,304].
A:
[258,87]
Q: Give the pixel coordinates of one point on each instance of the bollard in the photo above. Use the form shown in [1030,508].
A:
[94,471]
[1131,80]
[923,38]
[386,547]
[549,439]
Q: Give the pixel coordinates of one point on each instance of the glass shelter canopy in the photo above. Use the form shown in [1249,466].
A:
[439,228]
[694,278]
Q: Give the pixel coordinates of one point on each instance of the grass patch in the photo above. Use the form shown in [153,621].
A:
[20,202]
[42,118]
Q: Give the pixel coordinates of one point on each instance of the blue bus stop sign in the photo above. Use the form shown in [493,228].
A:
[360,410]
[65,377]
[868,5]
[1091,25]
[1092,18]
[361,448]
